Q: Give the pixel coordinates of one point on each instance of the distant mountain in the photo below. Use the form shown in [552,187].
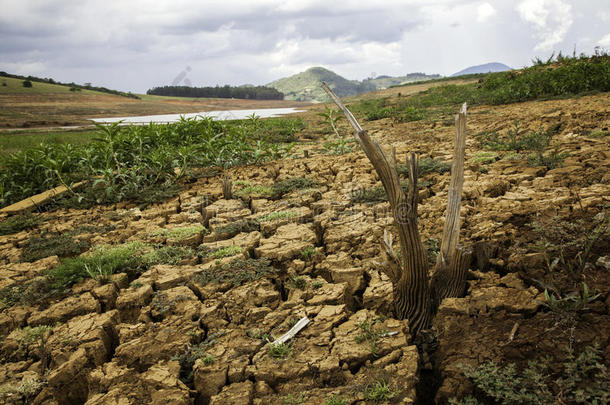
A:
[486,68]
[306,86]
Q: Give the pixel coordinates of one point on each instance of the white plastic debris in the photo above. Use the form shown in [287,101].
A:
[292,332]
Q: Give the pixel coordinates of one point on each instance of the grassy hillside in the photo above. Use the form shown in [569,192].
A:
[9,85]
[306,86]
[384,82]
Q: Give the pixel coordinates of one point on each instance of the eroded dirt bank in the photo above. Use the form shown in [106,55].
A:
[195,331]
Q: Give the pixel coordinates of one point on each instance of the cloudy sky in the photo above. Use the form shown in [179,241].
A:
[135,45]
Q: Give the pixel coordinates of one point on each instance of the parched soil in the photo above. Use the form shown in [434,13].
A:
[129,341]
[57,109]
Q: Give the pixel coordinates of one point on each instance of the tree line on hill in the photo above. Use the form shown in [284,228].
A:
[73,86]
[242,92]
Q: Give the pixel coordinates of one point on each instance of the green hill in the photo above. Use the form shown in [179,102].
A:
[306,86]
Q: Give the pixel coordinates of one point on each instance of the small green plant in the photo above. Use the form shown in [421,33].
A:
[62,245]
[291,399]
[275,216]
[280,350]
[226,251]
[237,272]
[335,400]
[368,334]
[308,253]
[103,260]
[18,223]
[234,228]
[193,353]
[331,117]
[316,284]
[380,390]
[259,191]
[297,283]
[484,157]
[168,255]
[597,134]
[24,392]
[291,184]
[576,301]
[581,379]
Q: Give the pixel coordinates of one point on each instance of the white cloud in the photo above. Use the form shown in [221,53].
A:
[605,41]
[551,20]
[484,11]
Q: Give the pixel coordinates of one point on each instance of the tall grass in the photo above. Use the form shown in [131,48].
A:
[560,77]
[128,161]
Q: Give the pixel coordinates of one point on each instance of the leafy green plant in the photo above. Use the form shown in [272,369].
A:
[167,255]
[581,379]
[575,301]
[226,251]
[308,253]
[141,163]
[280,350]
[380,390]
[103,261]
[369,334]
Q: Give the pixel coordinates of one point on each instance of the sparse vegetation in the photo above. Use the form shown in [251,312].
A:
[308,253]
[291,184]
[103,261]
[297,283]
[581,379]
[62,245]
[370,335]
[236,227]
[278,215]
[291,399]
[380,390]
[236,272]
[575,301]
[280,350]
[335,400]
[18,223]
[535,142]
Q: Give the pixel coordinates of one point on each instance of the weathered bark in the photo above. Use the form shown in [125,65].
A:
[416,297]
[227,188]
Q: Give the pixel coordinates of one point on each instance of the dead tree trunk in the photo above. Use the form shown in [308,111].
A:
[416,296]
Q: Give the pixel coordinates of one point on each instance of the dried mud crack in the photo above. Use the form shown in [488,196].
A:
[203,283]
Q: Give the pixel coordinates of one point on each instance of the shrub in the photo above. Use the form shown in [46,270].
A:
[26,83]
[581,379]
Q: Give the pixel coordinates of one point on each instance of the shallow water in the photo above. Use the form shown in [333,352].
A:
[216,115]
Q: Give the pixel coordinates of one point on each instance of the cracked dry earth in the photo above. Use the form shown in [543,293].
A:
[122,342]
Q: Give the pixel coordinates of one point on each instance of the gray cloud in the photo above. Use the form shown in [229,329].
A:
[137,45]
